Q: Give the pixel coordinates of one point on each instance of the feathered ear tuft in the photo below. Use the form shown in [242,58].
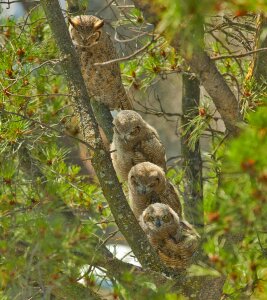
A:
[74,22]
[98,24]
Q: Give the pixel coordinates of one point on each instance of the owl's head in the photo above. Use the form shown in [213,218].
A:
[146,177]
[159,217]
[85,30]
[129,126]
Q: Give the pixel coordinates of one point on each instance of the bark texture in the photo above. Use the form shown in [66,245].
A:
[260,58]
[192,163]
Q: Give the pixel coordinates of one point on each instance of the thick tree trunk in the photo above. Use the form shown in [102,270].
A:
[192,163]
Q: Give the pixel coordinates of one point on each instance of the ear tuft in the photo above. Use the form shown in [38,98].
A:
[74,21]
[98,24]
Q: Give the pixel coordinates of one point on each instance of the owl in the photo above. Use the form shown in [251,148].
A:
[175,240]
[134,141]
[94,45]
[147,185]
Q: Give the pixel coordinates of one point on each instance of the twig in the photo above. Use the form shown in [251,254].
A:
[126,57]
[3,111]
[238,55]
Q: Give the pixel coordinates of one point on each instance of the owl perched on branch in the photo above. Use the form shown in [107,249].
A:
[94,45]
[175,240]
[147,185]
[134,141]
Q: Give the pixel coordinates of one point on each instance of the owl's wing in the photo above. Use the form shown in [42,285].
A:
[152,150]
[188,229]
[175,255]
[190,237]
[171,198]
[175,262]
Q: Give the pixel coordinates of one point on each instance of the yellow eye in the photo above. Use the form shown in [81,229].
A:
[150,219]
[166,218]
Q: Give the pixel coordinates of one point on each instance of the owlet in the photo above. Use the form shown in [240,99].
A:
[94,45]
[134,141]
[147,185]
[174,240]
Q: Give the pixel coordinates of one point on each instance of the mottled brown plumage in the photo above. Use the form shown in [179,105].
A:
[134,141]
[174,239]
[94,45]
[147,185]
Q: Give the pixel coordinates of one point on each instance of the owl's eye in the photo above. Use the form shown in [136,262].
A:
[135,131]
[150,219]
[166,218]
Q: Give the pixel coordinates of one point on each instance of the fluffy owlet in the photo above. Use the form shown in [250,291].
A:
[147,185]
[134,141]
[175,240]
[94,45]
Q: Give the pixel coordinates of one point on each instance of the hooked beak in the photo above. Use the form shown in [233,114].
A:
[157,222]
[142,190]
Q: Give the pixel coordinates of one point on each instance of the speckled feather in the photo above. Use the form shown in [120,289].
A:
[134,141]
[94,45]
[147,185]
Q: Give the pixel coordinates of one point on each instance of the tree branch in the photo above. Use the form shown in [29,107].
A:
[260,59]
[238,55]
[192,162]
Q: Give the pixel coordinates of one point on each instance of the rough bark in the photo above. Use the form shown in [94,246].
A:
[104,118]
[101,160]
[216,86]
[259,68]
[192,163]
[205,69]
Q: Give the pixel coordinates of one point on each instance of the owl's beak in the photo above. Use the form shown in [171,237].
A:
[157,222]
[142,190]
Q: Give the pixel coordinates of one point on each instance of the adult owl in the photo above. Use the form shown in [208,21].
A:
[94,45]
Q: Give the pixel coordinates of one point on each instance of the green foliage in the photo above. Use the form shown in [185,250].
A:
[241,211]
[52,216]
[40,238]
[158,61]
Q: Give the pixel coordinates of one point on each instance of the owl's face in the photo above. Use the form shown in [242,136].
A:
[159,217]
[85,30]
[145,178]
[128,126]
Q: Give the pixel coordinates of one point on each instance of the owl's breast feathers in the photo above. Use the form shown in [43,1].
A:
[154,198]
